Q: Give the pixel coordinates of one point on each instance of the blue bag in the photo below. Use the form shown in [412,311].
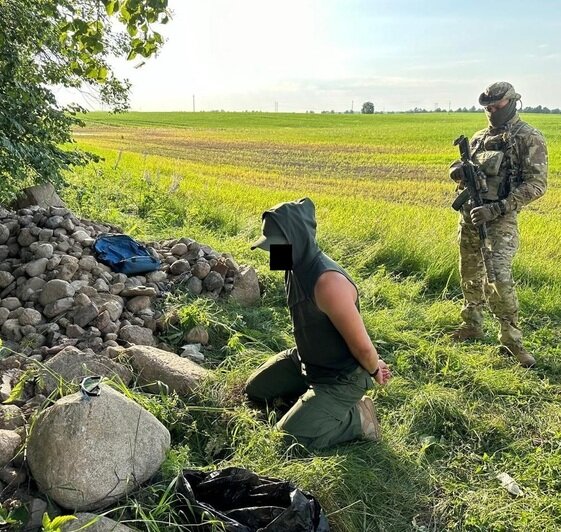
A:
[124,254]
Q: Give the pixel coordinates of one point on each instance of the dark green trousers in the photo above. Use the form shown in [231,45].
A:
[324,414]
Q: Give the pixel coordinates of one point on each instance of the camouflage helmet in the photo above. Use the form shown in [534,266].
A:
[498,91]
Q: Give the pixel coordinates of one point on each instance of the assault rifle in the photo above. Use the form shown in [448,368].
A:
[475,183]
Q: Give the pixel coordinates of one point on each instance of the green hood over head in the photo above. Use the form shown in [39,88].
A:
[297,221]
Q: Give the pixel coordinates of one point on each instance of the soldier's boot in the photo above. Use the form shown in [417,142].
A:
[510,337]
[525,359]
[371,429]
[471,327]
[467,331]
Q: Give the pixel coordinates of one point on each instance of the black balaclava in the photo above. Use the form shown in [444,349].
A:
[500,117]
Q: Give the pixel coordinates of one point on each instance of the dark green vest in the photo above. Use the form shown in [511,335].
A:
[322,349]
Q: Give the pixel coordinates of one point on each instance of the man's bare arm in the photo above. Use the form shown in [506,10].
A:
[335,295]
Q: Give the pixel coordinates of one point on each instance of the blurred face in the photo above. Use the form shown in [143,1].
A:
[497,105]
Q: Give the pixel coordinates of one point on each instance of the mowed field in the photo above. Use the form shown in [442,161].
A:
[454,416]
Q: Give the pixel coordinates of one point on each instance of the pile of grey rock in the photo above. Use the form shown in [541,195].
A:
[64,315]
[55,293]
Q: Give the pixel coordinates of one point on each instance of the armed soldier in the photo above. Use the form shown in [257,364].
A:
[510,156]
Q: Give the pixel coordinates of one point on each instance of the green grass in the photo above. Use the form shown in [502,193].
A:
[454,416]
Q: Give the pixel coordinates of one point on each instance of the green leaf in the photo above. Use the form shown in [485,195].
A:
[17,390]
[111,7]
[60,520]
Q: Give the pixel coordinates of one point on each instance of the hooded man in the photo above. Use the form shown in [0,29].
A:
[513,156]
[334,361]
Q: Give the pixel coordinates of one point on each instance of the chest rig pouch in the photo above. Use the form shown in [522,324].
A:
[489,162]
[490,156]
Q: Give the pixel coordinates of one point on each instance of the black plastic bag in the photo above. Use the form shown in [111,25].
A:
[245,502]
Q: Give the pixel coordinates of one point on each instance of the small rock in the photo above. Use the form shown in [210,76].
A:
[179,249]
[201,269]
[12,476]
[180,266]
[101,285]
[75,331]
[43,250]
[213,282]
[25,238]
[117,288]
[4,313]
[11,303]
[197,335]
[37,267]
[57,210]
[54,290]
[137,335]
[191,351]
[9,443]
[4,234]
[58,307]
[30,316]
[80,236]
[54,221]
[53,263]
[11,417]
[96,523]
[67,268]
[230,262]
[88,263]
[156,277]
[6,278]
[195,285]
[138,303]
[11,330]
[139,291]
[68,225]
[221,268]
[82,300]
[36,508]
[45,234]
[85,314]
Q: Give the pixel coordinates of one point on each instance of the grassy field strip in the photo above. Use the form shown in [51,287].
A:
[454,416]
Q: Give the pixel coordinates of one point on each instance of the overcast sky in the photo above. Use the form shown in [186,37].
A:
[333,54]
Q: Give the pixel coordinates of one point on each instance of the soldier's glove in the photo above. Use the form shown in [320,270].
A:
[456,172]
[485,213]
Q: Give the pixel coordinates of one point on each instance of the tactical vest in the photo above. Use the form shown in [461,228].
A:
[497,153]
[322,350]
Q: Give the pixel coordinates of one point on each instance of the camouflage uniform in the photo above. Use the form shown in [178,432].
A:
[514,158]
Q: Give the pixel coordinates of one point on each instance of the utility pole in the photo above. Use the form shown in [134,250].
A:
[193,103]
[352,106]
[276,107]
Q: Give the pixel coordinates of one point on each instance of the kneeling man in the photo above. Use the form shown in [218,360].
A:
[334,361]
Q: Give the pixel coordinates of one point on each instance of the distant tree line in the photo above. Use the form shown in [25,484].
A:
[473,109]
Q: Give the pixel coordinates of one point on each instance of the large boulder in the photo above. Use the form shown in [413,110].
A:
[246,287]
[152,364]
[73,365]
[43,195]
[86,452]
